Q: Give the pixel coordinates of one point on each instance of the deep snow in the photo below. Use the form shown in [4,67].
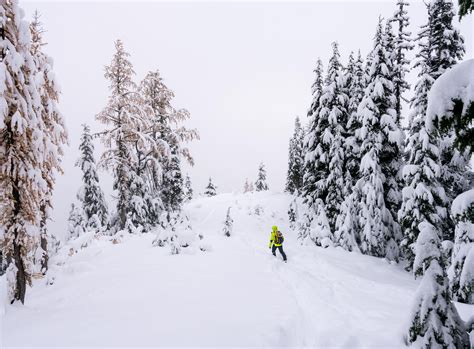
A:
[236,294]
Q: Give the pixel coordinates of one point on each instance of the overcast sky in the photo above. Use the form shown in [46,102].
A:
[242,69]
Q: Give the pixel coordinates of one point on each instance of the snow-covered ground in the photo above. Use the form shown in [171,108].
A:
[236,294]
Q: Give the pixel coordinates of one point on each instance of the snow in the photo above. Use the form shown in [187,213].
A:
[462,203]
[455,83]
[131,293]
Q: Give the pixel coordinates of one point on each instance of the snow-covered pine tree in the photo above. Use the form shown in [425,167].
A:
[381,139]
[169,135]
[334,101]
[261,182]
[348,228]
[188,189]
[461,271]
[91,195]
[403,44]
[127,120]
[423,195]
[320,231]
[355,86]
[246,186]
[312,139]
[228,224]
[294,179]
[435,321]
[53,121]
[76,223]
[26,155]
[210,189]
[447,49]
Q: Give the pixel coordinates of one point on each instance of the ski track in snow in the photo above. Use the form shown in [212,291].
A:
[237,294]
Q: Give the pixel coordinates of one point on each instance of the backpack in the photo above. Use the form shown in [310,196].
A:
[278,238]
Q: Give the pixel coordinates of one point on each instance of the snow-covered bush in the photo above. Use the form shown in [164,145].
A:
[228,224]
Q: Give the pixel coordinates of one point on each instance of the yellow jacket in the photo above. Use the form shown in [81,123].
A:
[273,237]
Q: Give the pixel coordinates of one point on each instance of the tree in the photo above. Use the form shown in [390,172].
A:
[49,91]
[434,320]
[355,86]
[347,225]
[127,118]
[76,223]
[27,156]
[312,139]
[381,139]
[228,224]
[210,189]
[461,272]
[91,195]
[294,179]
[261,183]
[465,7]
[165,172]
[423,196]
[188,193]
[333,122]
[403,44]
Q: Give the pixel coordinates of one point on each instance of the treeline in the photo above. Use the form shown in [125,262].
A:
[373,187]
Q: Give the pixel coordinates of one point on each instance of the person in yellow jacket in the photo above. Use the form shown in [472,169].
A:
[276,242]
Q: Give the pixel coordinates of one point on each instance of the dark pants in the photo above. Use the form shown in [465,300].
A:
[280,248]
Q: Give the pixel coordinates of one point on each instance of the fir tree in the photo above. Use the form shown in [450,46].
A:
[293,213]
[261,183]
[355,86]
[347,225]
[461,272]
[210,189]
[434,319]
[90,194]
[228,224]
[334,101]
[169,136]
[381,140]
[312,139]
[465,7]
[402,45]
[424,199]
[188,193]
[76,223]
[294,180]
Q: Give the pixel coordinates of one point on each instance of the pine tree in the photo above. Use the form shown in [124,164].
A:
[312,139]
[169,136]
[188,193]
[27,156]
[403,44]
[210,189]
[49,92]
[465,7]
[127,120]
[424,199]
[294,180]
[355,86]
[246,186]
[461,272]
[91,195]
[334,101]
[381,140]
[347,225]
[228,224]
[434,319]
[261,183]
[293,213]
[76,223]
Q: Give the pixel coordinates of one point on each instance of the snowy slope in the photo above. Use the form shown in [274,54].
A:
[236,294]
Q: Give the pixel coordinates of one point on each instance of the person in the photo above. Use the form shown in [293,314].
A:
[276,242]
